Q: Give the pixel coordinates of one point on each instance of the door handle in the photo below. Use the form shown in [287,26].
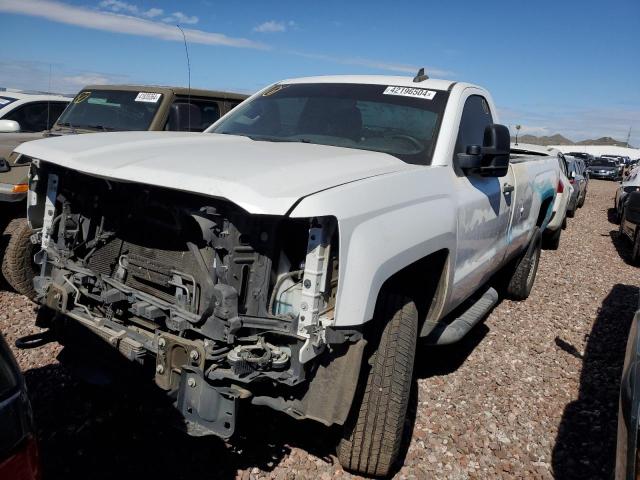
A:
[506,188]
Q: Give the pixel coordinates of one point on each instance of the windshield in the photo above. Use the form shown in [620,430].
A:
[603,162]
[111,110]
[399,121]
[4,101]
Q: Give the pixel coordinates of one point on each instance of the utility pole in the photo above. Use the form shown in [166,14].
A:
[628,137]
[518,127]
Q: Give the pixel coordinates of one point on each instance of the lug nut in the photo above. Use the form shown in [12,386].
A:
[159,369]
[194,355]
[191,382]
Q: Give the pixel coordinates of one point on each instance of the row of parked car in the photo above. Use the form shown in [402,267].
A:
[606,167]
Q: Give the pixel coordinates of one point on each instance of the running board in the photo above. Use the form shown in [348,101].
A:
[444,334]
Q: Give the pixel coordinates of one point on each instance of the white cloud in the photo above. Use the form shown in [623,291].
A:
[119,23]
[127,18]
[119,6]
[179,17]
[153,12]
[35,76]
[374,64]
[271,26]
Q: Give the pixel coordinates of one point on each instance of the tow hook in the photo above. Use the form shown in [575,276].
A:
[35,340]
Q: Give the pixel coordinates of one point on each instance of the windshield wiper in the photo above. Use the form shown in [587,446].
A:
[264,138]
[98,127]
[67,124]
[279,139]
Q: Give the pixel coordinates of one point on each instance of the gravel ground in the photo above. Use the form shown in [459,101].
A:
[530,393]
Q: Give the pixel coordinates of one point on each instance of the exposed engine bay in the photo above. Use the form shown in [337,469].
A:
[224,303]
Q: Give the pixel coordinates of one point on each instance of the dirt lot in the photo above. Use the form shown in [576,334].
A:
[531,393]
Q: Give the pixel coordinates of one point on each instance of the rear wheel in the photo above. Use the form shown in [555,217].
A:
[373,433]
[520,281]
[582,199]
[17,264]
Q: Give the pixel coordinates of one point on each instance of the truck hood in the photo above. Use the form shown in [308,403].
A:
[261,177]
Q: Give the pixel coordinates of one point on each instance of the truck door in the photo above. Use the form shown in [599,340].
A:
[484,207]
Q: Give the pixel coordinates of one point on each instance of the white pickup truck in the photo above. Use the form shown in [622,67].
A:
[293,254]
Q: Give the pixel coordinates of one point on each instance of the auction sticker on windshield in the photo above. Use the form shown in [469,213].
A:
[148,97]
[410,92]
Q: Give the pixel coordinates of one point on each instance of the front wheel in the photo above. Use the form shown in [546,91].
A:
[17,264]
[371,439]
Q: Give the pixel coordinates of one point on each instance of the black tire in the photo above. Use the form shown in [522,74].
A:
[551,240]
[635,249]
[9,228]
[524,272]
[571,213]
[582,200]
[17,264]
[373,433]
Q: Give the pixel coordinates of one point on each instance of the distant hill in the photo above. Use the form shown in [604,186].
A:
[603,141]
[558,139]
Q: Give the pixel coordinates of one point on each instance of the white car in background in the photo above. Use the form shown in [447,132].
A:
[564,192]
[29,112]
[631,183]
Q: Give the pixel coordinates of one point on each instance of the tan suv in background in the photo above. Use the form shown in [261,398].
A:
[98,108]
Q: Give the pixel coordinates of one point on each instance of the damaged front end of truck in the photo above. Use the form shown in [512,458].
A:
[220,304]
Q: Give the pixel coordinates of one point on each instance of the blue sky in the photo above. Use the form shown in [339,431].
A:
[570,67]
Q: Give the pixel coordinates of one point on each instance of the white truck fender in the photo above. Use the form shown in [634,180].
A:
[385,223]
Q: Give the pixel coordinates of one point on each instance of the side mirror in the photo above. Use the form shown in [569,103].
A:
[572,174]
[9,126]
[492,158]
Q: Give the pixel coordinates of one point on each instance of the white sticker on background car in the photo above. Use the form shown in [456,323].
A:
[410,92]
[148,97]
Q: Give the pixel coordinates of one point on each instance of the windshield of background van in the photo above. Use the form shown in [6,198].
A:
[111,110]
[367,117]
[4,101]
[599,162]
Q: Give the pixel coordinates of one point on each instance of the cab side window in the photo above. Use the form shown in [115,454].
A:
[36,116]
[192,115]
[475,117]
